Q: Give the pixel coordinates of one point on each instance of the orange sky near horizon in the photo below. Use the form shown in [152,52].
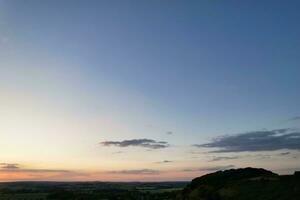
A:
[11,176]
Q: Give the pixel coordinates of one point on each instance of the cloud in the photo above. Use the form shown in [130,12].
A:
[16,172]
[223,158]
[256,141]
[137,172]
[284,153]
[9,166]
[213,168]
[146,143]
[169,133]
[13,167]
[261,156]
[195,152]
[44,170]
[117,152]
[164,161]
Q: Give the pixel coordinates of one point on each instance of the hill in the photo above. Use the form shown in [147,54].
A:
[243,184]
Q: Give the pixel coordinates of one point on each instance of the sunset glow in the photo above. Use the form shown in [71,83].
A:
[147,90]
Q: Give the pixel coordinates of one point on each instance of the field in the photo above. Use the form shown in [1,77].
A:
[89,190]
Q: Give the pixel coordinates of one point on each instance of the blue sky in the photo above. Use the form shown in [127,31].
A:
[124,70]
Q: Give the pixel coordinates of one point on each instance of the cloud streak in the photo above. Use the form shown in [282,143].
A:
[9,166]
[215,159]
[213,168]
[146,143]
[272,140]
[285,153]
[164,161]
[136,172]
[13,167]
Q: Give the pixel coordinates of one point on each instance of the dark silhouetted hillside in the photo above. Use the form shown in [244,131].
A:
[243,184]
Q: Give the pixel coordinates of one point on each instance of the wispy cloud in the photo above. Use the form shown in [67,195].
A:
[164,161]
[117,152]
[195,152]
[146,143]
[17,172]
[213,168]
[220,158]
[285,153]
[256,141]
[136,172]
[9,166]
[169,132]
[13,167]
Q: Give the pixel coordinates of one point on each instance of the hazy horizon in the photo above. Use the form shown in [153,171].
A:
[147,90]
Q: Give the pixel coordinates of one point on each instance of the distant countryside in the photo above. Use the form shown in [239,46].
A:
[149,99]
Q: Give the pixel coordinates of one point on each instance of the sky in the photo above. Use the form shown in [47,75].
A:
[147,90]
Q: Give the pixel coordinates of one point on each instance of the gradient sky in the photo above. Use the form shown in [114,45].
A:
[77,78]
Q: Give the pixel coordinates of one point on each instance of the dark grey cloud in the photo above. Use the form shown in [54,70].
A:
[220,158]
[137,171]
[284,153]
[146,143]
[213,168]
[169,133]
[164,161]
[265,140]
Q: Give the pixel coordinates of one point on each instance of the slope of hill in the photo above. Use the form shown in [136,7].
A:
[243,184]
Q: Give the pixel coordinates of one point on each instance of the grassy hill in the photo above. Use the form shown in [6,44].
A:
[243,184]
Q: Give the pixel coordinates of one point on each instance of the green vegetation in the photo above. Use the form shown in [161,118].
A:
[90,191]
[243,184]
